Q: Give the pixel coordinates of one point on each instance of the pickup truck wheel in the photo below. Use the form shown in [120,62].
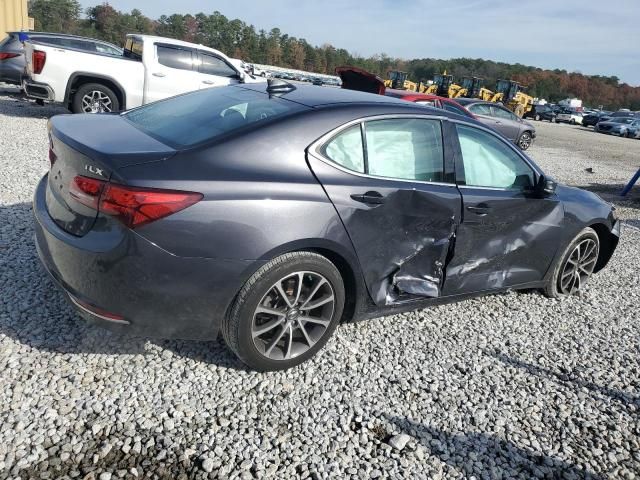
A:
[95,98]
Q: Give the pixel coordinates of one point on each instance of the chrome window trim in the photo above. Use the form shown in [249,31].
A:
[316,147]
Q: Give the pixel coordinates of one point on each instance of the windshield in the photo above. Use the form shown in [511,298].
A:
[622,120]
[204,115]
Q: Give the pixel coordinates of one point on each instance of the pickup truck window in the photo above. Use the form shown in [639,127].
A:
[206,115]
[212,65]
[175,57]
[133,48]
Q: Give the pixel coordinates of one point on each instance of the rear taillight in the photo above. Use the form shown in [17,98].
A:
[38,59]
[133,206]
[7,56]
[52,156]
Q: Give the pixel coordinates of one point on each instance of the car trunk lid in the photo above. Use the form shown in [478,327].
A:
[93,146]
[354,78]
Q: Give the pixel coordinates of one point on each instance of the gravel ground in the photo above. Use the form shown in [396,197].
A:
[508,386]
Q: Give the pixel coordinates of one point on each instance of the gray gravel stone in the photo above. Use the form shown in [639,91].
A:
[399,441]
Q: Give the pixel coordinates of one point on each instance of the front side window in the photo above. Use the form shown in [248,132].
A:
[346,149]
[408,149]
[175,57]
[489,162]
[212,65]
[480,109]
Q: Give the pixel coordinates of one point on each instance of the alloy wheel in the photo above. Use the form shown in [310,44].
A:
[293,315]
[525,141]
[96,101]
[578,267]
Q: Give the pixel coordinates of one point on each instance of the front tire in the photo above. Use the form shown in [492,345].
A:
[525,140]
[95,98]
[575,266]
[286,311]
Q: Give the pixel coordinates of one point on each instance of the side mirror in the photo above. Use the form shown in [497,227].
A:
[545,186]
[242,77]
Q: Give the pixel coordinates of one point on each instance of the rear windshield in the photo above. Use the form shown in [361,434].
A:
[198,117]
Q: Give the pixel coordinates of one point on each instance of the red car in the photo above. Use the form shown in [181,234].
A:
[354,78]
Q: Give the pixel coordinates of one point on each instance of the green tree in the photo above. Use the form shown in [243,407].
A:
[59,16]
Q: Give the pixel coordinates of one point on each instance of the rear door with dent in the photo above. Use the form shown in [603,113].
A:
[391,182]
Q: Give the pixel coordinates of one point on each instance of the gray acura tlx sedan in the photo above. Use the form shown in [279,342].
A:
[273,212]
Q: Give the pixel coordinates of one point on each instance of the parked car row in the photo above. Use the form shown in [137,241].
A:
[623,123]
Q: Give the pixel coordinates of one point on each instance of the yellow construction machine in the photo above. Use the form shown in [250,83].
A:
[398,79]
[511,94]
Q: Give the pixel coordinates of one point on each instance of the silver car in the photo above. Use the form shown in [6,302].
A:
[503,120]
[12,60]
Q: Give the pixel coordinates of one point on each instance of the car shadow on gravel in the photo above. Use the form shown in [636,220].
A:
[34,312]
[481,455]
[571,380]
[14,104]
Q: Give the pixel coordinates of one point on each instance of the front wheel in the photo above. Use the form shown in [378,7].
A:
[525,140]
[95,98]
[285,312]
[575,266]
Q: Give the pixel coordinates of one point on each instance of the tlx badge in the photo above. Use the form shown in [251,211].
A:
[94,170]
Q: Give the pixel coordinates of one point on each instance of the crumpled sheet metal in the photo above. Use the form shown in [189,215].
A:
[410,257]
[484,260]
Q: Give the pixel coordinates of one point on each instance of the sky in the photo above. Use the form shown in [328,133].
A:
[594,37]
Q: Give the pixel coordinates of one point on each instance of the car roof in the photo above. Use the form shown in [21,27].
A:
[62,35]
[172,41]
[469,101]
[313,96]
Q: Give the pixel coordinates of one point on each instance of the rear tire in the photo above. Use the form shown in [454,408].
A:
[268,331]
[575,266]
[95,98]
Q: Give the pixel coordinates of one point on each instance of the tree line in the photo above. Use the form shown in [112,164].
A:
[241,40]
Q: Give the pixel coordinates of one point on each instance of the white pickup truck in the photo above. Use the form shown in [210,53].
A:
[150,68]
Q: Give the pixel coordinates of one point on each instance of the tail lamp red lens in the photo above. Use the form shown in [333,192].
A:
[7,56]
[38,59]
[133,206]
[52,156]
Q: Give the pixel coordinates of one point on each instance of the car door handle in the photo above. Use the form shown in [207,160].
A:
[209,82]
[371,198]
[480,209]
[498,122]
[159,74]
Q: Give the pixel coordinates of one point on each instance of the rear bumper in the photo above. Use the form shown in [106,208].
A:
[157,294]
[37,90]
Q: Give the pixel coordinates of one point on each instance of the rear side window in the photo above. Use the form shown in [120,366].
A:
[212,65]
[346,149]
[206,115]
[175,57]
[480,109]
[450,107]
[409,149]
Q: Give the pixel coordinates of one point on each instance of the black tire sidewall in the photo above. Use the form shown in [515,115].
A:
[552,286]
[76,105]
[253,292]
